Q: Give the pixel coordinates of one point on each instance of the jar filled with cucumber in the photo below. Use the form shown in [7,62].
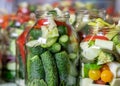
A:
[100,54]
[52,56]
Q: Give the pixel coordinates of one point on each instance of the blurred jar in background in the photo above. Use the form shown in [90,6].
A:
[7,50]
[0,64]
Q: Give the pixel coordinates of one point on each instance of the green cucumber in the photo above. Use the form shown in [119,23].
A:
[51,33]
[35,33]
[62,30]
[37,82]
[63,40]
[38,50]
[53,12]
[62,62]
[35,68]
[72,56]
[11,24]
[116,39]
[50,70]
[55,48]
[50,42]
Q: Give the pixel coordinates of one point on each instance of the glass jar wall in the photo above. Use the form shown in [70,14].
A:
[20,55]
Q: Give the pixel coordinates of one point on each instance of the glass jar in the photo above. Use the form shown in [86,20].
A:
[7,61]
[83,17]
[100,52]
[52,51]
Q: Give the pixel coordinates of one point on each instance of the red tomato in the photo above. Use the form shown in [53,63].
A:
[23,11]
[55,4]
[72,10]
[99,82]
[5,24]
[13,17]
[26,18]
[6,17]
[90,37]
[110,10]
[37,26]
[105,67]
[21,20]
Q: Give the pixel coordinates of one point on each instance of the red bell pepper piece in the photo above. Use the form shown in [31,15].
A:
[42,22]
[91,37]
[21,43]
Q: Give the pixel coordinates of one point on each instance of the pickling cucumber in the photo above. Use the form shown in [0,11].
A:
[38,50]
[55,48]
[51,77]
[35,34]
[62,30]
[35,68]
[37,82]
[62,62]
[50,42]
[63,40]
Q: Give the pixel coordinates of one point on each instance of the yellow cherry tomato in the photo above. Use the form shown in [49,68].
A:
[94,74]
[106,76]
[105,67]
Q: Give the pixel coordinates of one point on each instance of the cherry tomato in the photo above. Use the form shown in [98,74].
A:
[94,74]
[13,17]
[110,10]
[90,37]
[55,4]
[5,24]
[72,10]
[105,67]
[106,76]
[26,18]
[6,17]
[21,20]
[23,11]
[37,26]
[99,82]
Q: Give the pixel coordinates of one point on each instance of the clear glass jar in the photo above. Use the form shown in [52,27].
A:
[100,52]
[84,16]
[52,51]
